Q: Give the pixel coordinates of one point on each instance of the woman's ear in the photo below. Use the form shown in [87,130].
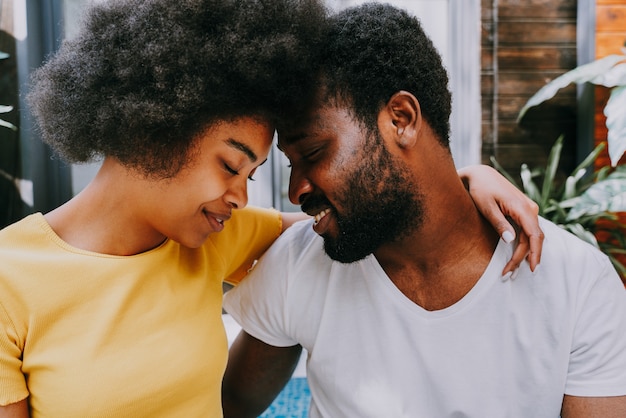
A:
[401,119]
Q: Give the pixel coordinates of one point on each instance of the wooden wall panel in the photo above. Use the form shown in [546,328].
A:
[610,17]
[538,32]
[512,83]
[526,43]
[537,9]
[608,43]
[536,58]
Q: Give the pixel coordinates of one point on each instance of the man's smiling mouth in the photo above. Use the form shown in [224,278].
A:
[321,215]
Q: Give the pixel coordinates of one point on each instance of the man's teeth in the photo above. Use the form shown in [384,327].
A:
[220,220]
[320,215]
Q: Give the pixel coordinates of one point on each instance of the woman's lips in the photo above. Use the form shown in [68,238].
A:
[215,221]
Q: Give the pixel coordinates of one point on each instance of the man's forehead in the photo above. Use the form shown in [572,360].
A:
[318,120]
[314,120]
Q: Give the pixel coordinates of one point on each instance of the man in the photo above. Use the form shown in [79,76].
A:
[405,315]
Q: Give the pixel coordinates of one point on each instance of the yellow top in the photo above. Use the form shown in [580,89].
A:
[92,335]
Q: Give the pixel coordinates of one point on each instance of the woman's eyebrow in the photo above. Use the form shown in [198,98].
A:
[243,148]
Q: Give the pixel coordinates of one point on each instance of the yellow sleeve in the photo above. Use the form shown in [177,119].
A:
[14,239]
[12,381]
[246,236]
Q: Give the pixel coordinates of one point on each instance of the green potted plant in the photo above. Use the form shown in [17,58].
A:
[590,205]
[582,204]
[610,72]
[24,188]
[3,108]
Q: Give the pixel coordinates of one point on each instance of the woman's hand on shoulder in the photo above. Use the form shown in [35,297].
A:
[498,200]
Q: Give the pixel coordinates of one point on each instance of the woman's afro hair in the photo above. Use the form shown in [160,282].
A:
[144,77]
[373,51]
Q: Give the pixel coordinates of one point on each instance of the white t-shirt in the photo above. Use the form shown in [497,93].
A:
[507,349]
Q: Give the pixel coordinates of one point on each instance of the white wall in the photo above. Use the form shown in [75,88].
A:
[72,10]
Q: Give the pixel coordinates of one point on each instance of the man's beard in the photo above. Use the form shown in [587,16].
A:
[379,202]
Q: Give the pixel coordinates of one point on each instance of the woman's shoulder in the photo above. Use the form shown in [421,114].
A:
[24,230]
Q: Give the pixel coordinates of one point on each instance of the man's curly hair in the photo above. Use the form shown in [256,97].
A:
[144,77]
[373,51]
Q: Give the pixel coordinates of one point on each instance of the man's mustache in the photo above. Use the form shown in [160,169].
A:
[313,203]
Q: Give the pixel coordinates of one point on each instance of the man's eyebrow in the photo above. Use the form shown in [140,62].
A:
[291,139]
[243,148]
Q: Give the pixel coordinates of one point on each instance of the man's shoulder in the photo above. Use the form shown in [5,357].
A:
[300,237]
[298,254]
[566,255]
[566,243]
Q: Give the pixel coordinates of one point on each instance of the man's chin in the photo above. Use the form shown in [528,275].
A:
[343,255]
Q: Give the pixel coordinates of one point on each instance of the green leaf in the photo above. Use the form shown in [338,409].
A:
[569,203]
[615,111]
[8,125]
[502,171]
[7,109]
[24,187]
[613,77]
[571,184]
[4,55]
[605,196]
[556,211]
[591,158]
[594,72]
[530,188]
[553,164]
[618,173]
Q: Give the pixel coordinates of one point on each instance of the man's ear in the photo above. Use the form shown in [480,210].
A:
[401,119]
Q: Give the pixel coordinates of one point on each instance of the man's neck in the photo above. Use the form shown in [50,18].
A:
[436,265]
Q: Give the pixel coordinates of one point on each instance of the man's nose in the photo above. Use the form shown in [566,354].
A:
[299,186]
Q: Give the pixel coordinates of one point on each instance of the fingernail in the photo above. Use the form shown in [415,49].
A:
[536,268]
[514,274]
[507,236]
[506,276]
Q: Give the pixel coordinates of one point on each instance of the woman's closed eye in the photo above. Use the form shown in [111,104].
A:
[234,172]
[231,170]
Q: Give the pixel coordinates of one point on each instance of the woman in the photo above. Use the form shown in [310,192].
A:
[110,305]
